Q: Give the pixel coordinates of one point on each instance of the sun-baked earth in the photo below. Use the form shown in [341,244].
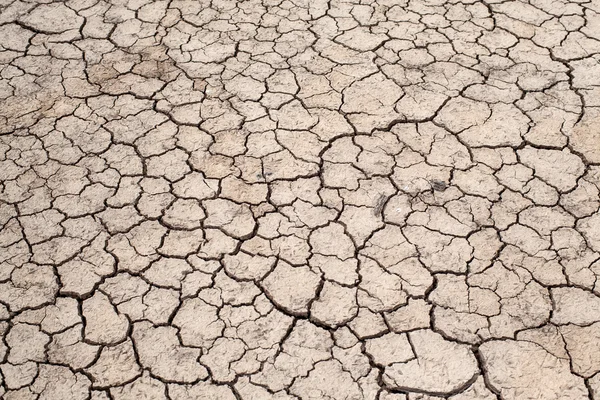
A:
[299,200]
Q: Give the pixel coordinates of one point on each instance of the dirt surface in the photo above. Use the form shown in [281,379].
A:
[300,199]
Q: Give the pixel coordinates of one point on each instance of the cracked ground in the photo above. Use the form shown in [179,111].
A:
[300,200]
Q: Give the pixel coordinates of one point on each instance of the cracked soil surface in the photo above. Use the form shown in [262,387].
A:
[300,199]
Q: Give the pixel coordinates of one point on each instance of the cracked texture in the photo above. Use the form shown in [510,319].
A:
[296,200]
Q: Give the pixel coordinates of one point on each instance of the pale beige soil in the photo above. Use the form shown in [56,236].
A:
[300,199]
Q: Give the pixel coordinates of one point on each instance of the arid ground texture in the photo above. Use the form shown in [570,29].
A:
[299,200]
